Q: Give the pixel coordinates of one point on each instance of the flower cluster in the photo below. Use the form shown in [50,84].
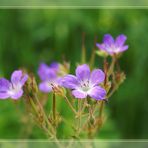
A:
[84,84]
[87,83]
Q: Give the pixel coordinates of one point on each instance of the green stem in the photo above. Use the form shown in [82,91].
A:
[112,91]
[111,68]
[101,109]
[84,106]
[100,119]
[83,49]
[79,110]
[89,119]
[92,59]
[33,106]
[36,111]
[54,107]
[70,105]
[45,117]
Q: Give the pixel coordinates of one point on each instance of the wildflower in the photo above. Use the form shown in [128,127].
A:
[48,76]
[55,66]
[85,83]
[112,46]
[13,89]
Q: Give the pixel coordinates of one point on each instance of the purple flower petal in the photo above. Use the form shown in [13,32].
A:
[79,94]
[83,72]
[51,75]
[101,46]
[45,87]
[46,73]
[70,81]
[97,76]
[16,76]
[42,71]
[59,81]
[120,40]
[123,48]
[54,65]
[17,95]
[4,87]
[97,93]
[24,79]
[108,40]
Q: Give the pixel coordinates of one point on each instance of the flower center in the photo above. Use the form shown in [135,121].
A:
[14,89]
[52,84]
[113,48]
[85,85]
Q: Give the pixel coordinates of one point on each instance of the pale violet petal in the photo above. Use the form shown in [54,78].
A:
[97,93]
[120,40]
[69,81]
[4,88]
[97,76]
[17,95]
[45,87]
[16,76]
[108,40]
[79,94]
[83,72]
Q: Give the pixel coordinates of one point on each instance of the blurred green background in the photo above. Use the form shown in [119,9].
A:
[28,37]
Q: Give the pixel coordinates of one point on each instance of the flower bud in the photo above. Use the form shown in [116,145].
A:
[63,69]
[58,90]
[120,77]
[102,53]
[107,86]
[31,87]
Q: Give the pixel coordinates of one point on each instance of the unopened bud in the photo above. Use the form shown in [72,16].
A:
[102,53]
[59,90]
[120,77]
[64,69]
[107,86]
[31,87]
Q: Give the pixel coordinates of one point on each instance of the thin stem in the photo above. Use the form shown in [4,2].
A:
[54,106]
[33,105]
[111,68]
[92,59]
[83,49]
[45,117]
[99,122]
[112,92]
[36,111]
[94,108]
[79,110]
[101,109]
[70,105]
[89,119]
[105,71]
[84,105]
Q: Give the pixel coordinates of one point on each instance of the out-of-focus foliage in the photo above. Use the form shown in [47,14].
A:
[28,37]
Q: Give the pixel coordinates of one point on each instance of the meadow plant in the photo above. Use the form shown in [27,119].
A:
[86,92]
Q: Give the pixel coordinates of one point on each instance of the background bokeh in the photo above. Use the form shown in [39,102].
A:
[28,37]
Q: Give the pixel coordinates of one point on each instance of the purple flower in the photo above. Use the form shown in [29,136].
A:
[85,83]
[48,76]
[13,89]
[55,66]
[44,69]
[112,46]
